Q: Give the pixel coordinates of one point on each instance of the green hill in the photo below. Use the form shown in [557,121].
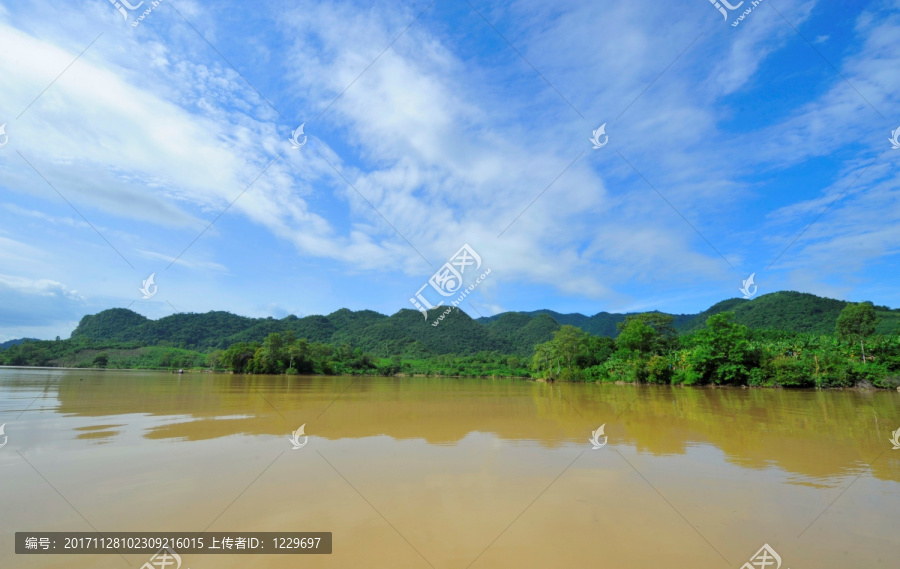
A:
[522,330]
[409,334]
[365,341]
[600,324]
[109,325]
[786,311]
[404,332]
[16,342]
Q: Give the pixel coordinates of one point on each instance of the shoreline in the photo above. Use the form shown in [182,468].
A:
[864,388]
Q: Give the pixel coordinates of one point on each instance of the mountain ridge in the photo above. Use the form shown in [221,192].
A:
[408,333]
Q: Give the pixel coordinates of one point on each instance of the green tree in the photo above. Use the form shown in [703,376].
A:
[239,356]
[568,342]
[648,333]
[543,360]
[856,323]
[271,357]
[214,358]
[722,353]
[298,353]
[102,360]
[571,348]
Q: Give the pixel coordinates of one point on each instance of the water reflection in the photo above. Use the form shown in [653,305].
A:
[817,435]
[451,465]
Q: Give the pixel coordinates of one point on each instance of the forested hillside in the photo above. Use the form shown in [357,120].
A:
[508,332]
[406,332]
[16,342]
[786,311]
[790,312]
[780,334]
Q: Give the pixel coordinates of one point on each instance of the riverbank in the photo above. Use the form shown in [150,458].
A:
[200,371]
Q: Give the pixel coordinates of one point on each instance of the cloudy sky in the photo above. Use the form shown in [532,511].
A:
[162,146]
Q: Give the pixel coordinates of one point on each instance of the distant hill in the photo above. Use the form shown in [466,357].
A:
[409,334]
[787,310]
[406,332]
[16,342]
[791,311]
[600,324]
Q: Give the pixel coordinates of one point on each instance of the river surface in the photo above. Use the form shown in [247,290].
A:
[452,473]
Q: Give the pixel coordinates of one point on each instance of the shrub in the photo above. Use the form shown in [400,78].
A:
[790,372]
[659,370]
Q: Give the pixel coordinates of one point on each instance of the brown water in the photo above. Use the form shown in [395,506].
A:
[452,473]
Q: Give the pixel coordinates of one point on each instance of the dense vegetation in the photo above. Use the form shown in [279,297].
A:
[786,311]
[8,343]
[782,339]
[649,350]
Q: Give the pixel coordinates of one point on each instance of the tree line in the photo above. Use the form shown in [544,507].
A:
[648,350]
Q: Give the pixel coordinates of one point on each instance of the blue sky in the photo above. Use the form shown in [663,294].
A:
[434,125]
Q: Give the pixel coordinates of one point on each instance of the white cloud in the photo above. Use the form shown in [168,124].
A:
[31,305]
[192,264]
[449,142]
[41,287]
[13,252]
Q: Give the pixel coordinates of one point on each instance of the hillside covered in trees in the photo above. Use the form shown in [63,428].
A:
[785,338]
[785,311]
